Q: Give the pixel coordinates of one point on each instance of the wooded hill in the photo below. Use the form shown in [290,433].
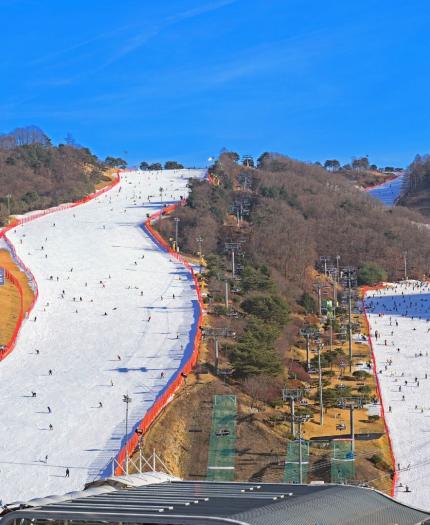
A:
[37,175]
[296,213]
[417,191]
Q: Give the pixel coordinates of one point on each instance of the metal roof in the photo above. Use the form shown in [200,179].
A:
[201,502]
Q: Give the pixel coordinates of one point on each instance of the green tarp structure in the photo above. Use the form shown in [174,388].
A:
[222,444]
[292,462]
[342,464]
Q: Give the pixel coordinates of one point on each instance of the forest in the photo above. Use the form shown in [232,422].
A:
[416,193]
[294,213]
[34,174]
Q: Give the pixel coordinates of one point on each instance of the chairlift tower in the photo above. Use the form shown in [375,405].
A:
[292,395]
[234,247]
[308,332]
[216,333]
[352,403]
[349,276]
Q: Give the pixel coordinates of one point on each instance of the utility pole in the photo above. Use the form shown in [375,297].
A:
[337,268]
[127,400]
[226,293]
[319,345]
[405,265]
[325,259]
[330,318]
[199,241]
[177,220]
[334,296]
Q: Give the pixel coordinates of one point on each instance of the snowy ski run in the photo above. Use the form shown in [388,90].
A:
[115,315]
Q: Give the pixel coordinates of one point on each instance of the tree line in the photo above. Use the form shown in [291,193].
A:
[34,174]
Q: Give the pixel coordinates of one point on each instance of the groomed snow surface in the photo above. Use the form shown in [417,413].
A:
[389,192]
[399,317]
[100,279]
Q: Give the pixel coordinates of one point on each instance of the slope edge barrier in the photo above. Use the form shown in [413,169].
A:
[24,313]
[364,290]
[166,395]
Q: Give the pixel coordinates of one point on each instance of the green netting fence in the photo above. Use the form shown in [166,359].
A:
[293,465]
[342,464]
[222,444]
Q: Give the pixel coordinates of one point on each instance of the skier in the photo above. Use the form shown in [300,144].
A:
[49,410]
[67,473]
[51,427]
[33,394]
[50,372]
[100,404]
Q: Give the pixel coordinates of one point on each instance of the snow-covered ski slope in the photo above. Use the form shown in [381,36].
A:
[114,311]
[389,192]
[401,315]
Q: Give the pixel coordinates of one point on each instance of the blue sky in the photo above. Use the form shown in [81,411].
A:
[181,79]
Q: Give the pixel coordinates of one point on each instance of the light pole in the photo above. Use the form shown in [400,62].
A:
[127,400]
[177,220]
[405,264]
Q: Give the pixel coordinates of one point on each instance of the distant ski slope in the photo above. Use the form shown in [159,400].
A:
[401,315]
[105,263]
[389,192]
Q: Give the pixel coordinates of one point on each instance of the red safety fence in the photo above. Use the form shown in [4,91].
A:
[164,399]
[364,290]
[13,225]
